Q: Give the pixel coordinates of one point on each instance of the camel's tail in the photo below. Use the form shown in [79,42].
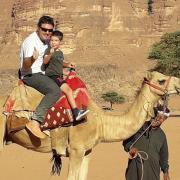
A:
[57,163]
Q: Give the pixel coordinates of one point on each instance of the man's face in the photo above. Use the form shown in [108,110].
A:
[160,118]
[45,32]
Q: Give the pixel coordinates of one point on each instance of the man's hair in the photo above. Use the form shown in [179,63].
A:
[58,34]
[45,20]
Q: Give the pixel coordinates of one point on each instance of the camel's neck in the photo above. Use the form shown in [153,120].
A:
[116,128]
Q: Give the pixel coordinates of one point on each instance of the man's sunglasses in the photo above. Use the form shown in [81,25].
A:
[46,30]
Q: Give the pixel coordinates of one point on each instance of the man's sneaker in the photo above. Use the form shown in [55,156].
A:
[81,114]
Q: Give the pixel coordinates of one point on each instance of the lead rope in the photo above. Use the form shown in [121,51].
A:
[140,135]
[139,154]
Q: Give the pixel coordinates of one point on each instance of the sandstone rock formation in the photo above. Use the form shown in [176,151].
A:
[97,32]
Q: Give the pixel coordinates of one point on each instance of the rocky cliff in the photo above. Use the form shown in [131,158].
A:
[98,33]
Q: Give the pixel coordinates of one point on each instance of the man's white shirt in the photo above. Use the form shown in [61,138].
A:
[27,48]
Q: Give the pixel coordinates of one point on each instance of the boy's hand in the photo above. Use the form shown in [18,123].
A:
[51,51]
[35,54]
[72,65]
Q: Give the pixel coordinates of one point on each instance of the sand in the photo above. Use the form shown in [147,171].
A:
[108,160]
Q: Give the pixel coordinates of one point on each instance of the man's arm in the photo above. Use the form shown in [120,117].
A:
[164,155]
[28,61]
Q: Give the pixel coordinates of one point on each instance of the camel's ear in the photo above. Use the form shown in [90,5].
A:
[148,75]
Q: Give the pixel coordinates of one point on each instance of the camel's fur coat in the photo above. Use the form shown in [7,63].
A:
[103,128]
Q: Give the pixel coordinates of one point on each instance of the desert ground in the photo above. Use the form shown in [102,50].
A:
[108,161]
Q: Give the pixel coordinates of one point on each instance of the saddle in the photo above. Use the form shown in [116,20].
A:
[23,100]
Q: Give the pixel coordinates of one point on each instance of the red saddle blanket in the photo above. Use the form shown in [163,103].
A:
[60,114]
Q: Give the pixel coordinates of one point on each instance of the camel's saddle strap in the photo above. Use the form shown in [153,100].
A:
[15,123]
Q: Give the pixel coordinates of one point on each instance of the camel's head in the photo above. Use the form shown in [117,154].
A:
[161,84]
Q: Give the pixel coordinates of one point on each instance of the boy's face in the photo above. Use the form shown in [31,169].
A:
[55,42]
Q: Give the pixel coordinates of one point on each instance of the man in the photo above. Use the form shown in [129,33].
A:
[154,143]
[32,71]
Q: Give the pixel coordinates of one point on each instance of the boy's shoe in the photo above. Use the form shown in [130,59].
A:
[81,114]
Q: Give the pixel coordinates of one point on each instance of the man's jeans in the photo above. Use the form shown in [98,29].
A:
[46,86]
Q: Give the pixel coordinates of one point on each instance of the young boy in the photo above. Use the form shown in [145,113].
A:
[54,63]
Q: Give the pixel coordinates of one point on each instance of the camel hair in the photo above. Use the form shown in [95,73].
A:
[101,127]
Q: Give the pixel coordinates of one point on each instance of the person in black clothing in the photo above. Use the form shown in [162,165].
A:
[154,143]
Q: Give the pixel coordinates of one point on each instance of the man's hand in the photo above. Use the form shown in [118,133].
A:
[28,61]
[35,54]
[166,176]
[133,152]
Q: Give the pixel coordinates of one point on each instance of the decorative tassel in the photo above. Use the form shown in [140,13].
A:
[57,163]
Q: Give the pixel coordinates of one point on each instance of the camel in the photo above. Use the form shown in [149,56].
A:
[100,127]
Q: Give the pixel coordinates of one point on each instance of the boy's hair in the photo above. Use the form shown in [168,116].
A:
[46,20]
[58,34]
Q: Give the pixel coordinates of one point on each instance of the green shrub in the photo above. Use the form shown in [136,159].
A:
[167,54]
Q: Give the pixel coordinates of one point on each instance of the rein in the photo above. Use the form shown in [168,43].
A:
[164,90]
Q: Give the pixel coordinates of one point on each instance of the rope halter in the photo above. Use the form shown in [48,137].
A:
[155,86]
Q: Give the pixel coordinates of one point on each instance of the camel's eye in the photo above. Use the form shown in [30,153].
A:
[161,82]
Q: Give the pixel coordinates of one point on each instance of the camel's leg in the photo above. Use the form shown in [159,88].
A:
[75,161]
[84,168]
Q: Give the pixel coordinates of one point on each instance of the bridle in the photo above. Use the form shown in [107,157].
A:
[165,94]
[164,90]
